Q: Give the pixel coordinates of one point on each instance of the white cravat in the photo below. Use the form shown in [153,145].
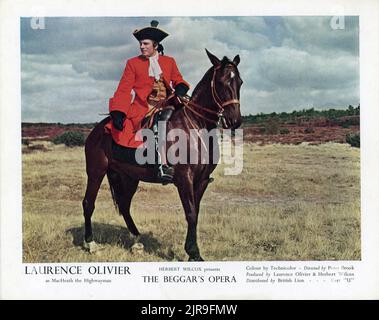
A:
[154,67]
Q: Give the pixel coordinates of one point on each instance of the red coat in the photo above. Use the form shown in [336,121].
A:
[136,78]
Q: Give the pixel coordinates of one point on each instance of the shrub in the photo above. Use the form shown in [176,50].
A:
[35,147]
[262,130]
[309,130]
[25,142]
[70,139]
[272,126]
[354,139]
[284,131]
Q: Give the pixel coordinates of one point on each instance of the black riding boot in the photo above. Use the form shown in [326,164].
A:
[165,172]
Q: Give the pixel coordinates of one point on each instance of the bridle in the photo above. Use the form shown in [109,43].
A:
[221,105]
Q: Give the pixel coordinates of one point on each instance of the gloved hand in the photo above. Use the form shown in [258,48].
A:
[118,118]
[181,89]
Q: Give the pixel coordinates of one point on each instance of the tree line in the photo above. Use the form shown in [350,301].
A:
[288,117]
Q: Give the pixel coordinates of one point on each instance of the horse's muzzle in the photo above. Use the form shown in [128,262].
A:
[231,123]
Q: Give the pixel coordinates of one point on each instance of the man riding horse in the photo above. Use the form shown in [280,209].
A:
[214,102]
[150,75]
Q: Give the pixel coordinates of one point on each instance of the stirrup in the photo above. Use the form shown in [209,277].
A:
[165,174]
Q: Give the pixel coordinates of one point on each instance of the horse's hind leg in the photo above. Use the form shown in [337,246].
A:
[93,186]
[130,188]
[123,189]
[97,144]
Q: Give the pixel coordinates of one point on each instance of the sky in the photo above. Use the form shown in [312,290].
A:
[72,66]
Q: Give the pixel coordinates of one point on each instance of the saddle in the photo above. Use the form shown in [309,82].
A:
[148,121]
[126,154]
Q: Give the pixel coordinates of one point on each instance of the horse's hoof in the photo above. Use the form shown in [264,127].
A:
[91,246]
[197,258]
[137,238]
[137,248]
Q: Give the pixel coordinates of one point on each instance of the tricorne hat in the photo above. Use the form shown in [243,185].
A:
[152,33]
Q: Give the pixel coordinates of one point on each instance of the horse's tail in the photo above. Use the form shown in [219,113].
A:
[120,192]
[115,185]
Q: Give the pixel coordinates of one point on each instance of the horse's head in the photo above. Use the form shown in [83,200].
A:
[226,84]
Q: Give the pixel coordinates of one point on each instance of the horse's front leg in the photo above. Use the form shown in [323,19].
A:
[187,197]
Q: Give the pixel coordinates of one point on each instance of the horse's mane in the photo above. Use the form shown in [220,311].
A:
[225,61]
[205,79]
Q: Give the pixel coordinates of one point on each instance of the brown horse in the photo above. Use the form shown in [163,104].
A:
[214,100]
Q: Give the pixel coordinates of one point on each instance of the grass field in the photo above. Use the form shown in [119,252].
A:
[291,202]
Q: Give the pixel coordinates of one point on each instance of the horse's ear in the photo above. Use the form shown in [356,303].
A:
[215,61]
[236,60]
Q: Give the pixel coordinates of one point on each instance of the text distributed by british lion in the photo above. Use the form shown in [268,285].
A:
[272,274]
